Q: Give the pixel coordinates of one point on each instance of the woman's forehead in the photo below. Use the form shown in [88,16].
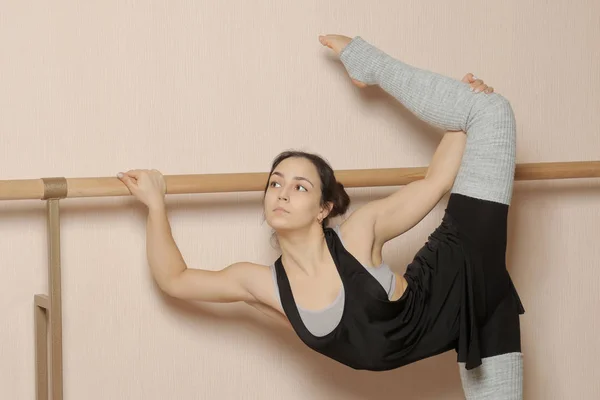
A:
[297,166]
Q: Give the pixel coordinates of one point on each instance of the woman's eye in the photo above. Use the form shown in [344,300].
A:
[277,183]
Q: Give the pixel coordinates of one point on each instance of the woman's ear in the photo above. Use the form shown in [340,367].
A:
[326,209]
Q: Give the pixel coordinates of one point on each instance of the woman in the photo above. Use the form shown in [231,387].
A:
[330,284]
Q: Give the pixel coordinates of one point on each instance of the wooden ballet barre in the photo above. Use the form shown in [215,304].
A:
[25,189]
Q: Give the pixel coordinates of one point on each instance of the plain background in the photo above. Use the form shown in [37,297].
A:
[188,87]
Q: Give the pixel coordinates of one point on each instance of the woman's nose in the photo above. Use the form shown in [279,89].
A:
[283,193]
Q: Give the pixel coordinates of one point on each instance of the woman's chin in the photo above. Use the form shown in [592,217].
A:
[280,223]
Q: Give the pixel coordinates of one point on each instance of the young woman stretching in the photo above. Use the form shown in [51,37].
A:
[330,284]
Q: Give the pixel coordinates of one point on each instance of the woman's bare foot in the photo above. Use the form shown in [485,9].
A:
[337,44]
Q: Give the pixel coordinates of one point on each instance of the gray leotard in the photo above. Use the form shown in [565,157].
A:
[321,322]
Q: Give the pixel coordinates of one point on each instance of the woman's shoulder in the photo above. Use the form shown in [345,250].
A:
[358,237]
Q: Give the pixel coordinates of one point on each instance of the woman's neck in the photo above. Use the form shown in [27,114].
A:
[304,250]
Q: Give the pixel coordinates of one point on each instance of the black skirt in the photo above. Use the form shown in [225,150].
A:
[460,277]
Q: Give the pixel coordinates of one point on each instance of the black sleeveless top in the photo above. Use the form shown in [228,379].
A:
[439,310]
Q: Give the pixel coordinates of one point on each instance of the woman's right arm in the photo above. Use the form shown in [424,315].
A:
[243,281]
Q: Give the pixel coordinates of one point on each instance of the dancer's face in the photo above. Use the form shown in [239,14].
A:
[295,187]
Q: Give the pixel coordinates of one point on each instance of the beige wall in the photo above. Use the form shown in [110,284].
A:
[93,88]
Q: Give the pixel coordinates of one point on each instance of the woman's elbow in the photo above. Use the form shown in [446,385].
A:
[171,286]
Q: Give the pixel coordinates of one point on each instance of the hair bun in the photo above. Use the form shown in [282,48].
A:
[341,200]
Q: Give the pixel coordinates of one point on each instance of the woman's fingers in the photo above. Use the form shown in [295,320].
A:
[148,186]
[476,84]
[468,78]
[136,173]
[129,182]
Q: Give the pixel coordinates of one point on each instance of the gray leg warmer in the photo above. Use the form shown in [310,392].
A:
[498,378]
[488,164]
